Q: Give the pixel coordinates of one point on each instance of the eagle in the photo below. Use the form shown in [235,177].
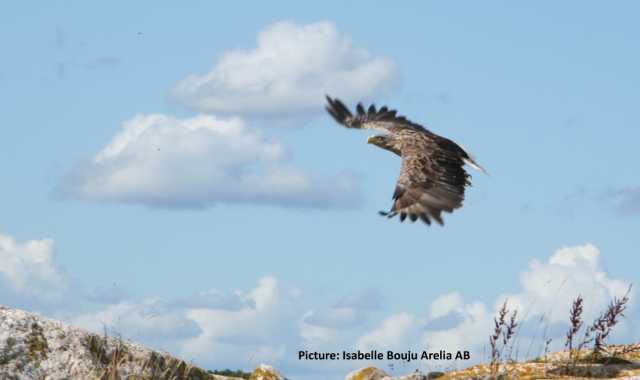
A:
[432,175]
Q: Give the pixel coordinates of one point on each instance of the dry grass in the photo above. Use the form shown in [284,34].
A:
[499,340]
[113,360]
[589,357]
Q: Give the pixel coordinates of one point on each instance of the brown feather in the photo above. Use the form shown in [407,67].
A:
[432,175]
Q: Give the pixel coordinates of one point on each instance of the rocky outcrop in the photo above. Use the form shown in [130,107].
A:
[619,362]
[265,372]
[373,373]
[34,347]
[367,373]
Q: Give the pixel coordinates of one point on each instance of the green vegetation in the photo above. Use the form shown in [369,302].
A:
[228,372]
[37,346]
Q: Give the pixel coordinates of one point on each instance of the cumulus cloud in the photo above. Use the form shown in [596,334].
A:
[216,329]
[264,332]
[29,276]
[547,290]
[549,287]
[396,332]
[445,312]
[241,329]
[350,311]
[446,304]
[288,73]
[323,327]
[163,161]
[271,322]
[151,321]
[464,328]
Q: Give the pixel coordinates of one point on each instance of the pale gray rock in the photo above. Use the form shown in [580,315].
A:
[34,347]
[367,373]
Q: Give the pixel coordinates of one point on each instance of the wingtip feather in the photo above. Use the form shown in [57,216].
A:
[469,161]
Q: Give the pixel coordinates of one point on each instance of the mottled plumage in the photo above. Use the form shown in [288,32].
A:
[432,176]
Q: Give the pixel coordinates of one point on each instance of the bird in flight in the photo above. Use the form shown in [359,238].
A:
[432,175]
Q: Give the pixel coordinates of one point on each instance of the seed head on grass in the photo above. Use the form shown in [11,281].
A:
[575,317]
[511,328]
[499,323]
[607,320]
[503,332]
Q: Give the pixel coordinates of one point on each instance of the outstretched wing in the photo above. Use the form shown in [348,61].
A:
[382,119]
[432,176]
[432,179]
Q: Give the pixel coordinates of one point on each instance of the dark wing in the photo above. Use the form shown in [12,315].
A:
[432,178]
[383,119]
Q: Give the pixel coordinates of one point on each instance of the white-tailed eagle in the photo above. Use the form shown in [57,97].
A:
[432,176]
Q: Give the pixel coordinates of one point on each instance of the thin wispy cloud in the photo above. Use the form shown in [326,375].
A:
[106,62]
[368,299]
[626,200]
[106,294]
[61,37]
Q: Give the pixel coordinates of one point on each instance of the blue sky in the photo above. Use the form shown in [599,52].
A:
[545,96]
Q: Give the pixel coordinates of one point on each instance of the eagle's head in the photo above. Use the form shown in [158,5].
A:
[377,140]
[385,142]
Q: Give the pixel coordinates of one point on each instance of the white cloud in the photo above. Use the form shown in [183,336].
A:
[315,336]
[271,322]
[241,331]
[163,161]
[28,274]
[470,332]
[151,321]
[288,74]
[446,304]
[350,311]
[548,288]
[397,332]
[264,332]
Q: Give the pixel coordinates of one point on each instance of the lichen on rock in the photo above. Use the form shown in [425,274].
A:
[38,348]
[265,372]
[367,373]
[34,347]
